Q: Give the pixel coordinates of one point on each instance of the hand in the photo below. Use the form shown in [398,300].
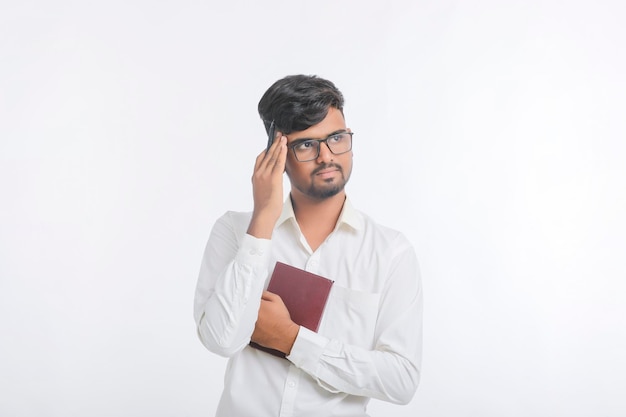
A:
[274,327]
[267,189]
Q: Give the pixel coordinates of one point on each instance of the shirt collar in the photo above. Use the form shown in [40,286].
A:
[349,215]
[287,212]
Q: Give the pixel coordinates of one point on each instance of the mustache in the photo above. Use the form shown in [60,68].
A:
[326,166]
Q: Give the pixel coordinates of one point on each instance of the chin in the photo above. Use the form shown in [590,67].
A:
[326,192]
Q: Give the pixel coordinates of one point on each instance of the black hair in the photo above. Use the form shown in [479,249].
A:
[298,102]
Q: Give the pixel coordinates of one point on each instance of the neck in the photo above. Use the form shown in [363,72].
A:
[318,210]
[317,217]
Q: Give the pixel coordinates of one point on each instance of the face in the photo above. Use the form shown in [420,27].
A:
[327,175]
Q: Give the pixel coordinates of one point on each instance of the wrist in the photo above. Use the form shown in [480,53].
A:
[261,226]
[290,339]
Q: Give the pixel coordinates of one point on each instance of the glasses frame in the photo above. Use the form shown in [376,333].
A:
[319,148]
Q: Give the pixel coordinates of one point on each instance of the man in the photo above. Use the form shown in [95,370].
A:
[369,341]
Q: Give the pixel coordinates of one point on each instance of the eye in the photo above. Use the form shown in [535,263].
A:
[337,138]
[305,145]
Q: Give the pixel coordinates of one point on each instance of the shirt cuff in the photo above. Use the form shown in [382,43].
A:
[307,349]
[254,251]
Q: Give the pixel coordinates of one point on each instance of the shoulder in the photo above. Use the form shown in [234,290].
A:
[394,252]
[236,216]
[374,226]
[233,221]
[383,236]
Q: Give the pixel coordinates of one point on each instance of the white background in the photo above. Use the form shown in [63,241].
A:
[491,132]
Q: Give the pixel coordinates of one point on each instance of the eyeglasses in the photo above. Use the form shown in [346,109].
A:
[309,149]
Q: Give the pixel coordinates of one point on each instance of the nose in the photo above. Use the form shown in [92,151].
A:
[325,154]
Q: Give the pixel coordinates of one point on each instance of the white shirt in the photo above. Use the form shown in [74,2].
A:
[369,342]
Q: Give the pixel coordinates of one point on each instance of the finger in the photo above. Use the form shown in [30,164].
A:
[275,143]
[275,156]
[269,296]
[263,155]
[281,159]
[274,153]
[259,161]
[267,157]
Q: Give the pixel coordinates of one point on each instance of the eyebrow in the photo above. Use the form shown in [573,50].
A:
[336,132]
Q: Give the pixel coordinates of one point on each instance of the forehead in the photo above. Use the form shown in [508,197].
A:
[333,122]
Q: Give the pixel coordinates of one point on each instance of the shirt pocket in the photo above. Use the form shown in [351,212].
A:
[350,316]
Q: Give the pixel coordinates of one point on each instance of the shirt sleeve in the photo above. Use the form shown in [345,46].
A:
[228,293]
[390,371]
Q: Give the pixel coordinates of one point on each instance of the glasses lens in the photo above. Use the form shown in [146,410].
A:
[307,150]
[340,143]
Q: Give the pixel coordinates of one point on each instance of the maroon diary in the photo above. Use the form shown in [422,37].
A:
[304,294]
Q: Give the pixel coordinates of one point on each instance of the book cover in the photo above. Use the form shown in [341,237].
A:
[304,294]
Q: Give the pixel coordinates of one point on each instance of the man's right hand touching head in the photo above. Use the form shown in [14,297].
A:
[267,188]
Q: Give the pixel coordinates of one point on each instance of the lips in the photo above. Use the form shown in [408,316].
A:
[327,170]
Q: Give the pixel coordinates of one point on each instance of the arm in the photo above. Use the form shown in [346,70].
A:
[274,327]
[234,265]
[230,283]
[390,371]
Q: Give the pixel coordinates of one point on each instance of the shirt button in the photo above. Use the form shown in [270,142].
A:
[291,384]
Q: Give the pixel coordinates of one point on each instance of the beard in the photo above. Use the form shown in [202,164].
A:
[329,188]
[322,193]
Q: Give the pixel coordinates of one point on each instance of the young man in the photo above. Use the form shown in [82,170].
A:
[369,341]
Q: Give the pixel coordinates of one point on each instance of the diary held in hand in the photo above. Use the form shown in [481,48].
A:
[304,294]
